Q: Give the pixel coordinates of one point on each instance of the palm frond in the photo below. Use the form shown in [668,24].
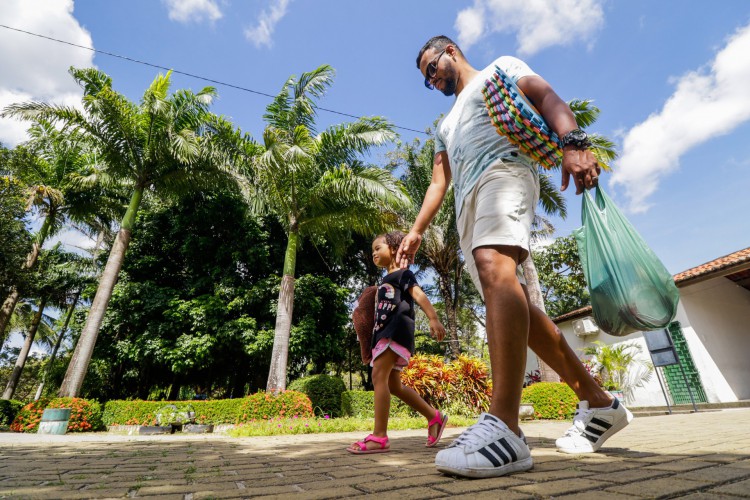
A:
[604,150]
[550,198]
[584,111]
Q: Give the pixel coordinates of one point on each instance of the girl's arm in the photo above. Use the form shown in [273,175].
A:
[437,330]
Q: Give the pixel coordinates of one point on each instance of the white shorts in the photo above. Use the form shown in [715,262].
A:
[499,210]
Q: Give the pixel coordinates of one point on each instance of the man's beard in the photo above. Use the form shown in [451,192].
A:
[450,87]
[450,81]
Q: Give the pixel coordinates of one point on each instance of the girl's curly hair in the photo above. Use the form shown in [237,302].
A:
[392,239]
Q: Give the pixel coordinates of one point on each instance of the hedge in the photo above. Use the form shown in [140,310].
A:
[85,415]
[9,408]
[551,400]
[219,411]
[362,404]
[324,392]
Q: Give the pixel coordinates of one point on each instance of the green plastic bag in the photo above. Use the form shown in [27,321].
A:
[630,288]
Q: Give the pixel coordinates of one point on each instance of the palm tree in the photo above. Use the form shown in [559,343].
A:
[54,278]
[317,186]
[159,146]
[552,203]
[440,248]
[49,164]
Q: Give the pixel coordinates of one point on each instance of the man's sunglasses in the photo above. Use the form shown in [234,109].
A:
[431,70]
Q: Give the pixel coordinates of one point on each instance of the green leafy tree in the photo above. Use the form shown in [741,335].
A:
[561,276]
[161,146]
[13,234]
[55,277]
[49,165]
[317,187]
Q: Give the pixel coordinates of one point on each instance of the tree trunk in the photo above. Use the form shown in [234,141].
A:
[277,372]
[58,342]
[5,313]
[79,363]
[450,316]
[10,302]
[15,376]
[537,299]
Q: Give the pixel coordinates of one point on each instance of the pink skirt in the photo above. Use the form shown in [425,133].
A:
[403,353]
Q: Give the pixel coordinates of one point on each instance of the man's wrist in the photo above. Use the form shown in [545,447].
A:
[575,139]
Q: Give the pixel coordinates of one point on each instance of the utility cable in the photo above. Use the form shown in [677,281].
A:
[184,73]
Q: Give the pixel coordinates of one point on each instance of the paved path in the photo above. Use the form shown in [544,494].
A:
[704,455]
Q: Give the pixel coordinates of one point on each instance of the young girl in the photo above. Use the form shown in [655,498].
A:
[393,345]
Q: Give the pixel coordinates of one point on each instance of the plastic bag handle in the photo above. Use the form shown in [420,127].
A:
[598,202]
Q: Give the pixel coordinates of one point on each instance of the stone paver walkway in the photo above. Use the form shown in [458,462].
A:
[704,455]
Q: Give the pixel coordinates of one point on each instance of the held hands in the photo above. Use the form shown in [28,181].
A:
[582,165]
[437,330]
[407,250]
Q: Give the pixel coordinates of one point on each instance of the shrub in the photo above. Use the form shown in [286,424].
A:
[85,415]
[265,405]
[324,392]
[471,388]
[462,387]
[361,404]
[551,400]
[139,412]
[9,408]
[219,411]
[430,377]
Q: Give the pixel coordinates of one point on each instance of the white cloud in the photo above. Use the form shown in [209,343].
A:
[185,11]
[261,34]
[34,68]
[72,240]
[538,24]
[706,103]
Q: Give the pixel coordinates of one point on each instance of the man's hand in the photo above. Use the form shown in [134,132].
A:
[582,165]
[408,249]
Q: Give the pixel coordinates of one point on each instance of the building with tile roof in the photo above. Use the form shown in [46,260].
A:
[711,334]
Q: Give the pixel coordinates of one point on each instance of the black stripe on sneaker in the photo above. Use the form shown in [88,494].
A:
[615,404]
[595,431]
[494,447]
[600,423]
[590,438]
[505,444]
[489,456]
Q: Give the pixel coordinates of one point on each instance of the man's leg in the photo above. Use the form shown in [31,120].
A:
[493,447]
[598,416]
[546,340]
[507,328]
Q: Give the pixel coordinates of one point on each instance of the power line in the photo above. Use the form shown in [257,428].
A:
[191,75]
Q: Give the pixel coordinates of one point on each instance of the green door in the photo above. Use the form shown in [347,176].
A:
[673,375]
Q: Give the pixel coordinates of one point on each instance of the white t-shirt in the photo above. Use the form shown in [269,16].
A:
[467,134]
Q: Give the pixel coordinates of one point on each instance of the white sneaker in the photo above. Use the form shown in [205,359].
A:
[592,427]
[486,449]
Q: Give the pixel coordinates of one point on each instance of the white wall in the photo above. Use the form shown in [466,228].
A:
[648,395]
[716,321]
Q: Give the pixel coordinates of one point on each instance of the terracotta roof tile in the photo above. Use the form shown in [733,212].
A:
[716,265]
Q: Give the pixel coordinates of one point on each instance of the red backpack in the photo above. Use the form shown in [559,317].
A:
[363,318]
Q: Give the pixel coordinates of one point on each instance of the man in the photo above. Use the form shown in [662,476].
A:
[496,189]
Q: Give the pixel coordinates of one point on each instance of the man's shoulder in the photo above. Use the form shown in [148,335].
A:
[512,66]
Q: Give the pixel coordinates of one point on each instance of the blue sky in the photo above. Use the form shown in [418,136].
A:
[670,77]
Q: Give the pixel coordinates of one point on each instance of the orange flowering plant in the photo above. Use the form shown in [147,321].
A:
[85,415]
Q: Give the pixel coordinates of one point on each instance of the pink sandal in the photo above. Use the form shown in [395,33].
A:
[441,420]
[383,442]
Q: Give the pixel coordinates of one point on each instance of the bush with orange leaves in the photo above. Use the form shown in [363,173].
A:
[463,385]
